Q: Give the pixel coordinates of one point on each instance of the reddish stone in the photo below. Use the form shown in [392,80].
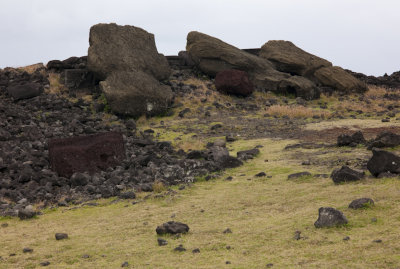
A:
[86,153]
[234,82]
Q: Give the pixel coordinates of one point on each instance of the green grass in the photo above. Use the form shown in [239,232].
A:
[263,214]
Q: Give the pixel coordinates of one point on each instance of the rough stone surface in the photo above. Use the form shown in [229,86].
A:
[361,203]
[86,153]
[385,139]
[330,217]
[70,63]
[61,236]
[115,48]
[345,174]
[351,140]
[234,82]
[298,175]
[289,58]
[382,162]
[340,80]
[24,91]
[172,227]
[299,87]
[136,93]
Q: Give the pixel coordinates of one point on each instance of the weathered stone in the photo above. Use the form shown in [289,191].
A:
[172,227]
[26,213]
[247,154]
[136,93]
[330,217]
[24,91]
[299,174]
[385,139]
[80,79]
[61,236]
[345,174]
[234,82]
[361,203]
[289,58]
[86,153]
[115,48]
[299,87]
[339,79]
[383,161]
[70,63]
[351,140]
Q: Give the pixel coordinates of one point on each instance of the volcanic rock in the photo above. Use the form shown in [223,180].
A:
[86,153]
[345,174]
[298,175]
[234,82]
[25,91]
[61,236]
[172,227]
[385,139]
[340,80]
[351,140]
[136,93]
[115,48]
[329,217]
[383,161]
[288,58]
[361,203]
[247,154]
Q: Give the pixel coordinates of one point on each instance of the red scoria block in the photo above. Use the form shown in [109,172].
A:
[86,153]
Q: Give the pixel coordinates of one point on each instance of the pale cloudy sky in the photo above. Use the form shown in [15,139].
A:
[362,35]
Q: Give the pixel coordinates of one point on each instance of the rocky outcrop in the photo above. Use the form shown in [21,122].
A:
[361,203]
[70,63]
[385,139]
[234,82]
[212,55]
[351,140]
[136,93]
[126,59]
[115,48]
[288,58]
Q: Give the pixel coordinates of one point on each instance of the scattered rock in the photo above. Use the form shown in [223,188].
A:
[61,236]
[172,227]
[247,154]
[361,203]
[180,248]
[85,256]
[377,241]
[297,235]
[27,250]
[227,231]
[351,140]
[26,213]
[385,139]
[25,91]
[261,174]
[127,195]
[4,225]
[196,250]
[125,264]
[346,174]
[298,175]
[45,263]
[330,217]
[162,242]
[383,161]
[346,238]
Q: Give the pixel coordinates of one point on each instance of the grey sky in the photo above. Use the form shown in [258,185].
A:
[362,35]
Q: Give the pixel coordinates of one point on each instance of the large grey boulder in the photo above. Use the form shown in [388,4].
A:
[211,55]
[289,58]
[136,93]
[116,48]
[340,80]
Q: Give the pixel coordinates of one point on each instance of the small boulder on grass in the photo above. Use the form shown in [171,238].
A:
[330,217]
[361,203]
[346,174]
[172,227]
[298,175]
[61,236]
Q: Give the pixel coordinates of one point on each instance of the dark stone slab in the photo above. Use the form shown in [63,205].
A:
[78,79]
[345,174]
[234,82]
[172,227]
[382,162]
[86,153]
[25,91]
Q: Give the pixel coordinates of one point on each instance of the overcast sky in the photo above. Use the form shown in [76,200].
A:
[361,35]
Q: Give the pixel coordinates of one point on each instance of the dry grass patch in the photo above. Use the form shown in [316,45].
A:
[296,111]
[31,68]
[56,87]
